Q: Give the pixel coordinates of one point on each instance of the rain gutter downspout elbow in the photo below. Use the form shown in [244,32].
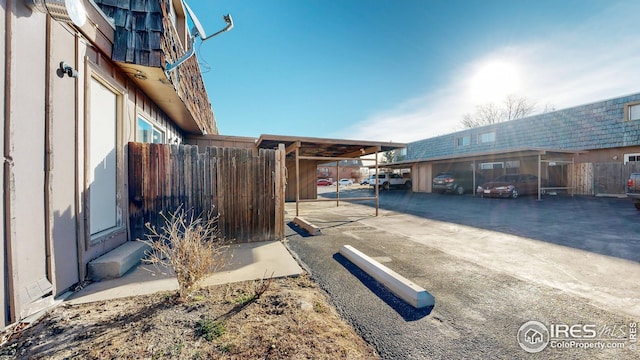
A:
[170,67]
[196,33]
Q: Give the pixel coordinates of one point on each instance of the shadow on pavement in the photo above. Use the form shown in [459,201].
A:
[606,226]
[408,312]
[300,231]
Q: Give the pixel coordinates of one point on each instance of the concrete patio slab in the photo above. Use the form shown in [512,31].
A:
[251,261]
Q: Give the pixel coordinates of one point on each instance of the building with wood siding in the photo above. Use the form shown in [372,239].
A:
[344,169]
[74,96]
[596,145]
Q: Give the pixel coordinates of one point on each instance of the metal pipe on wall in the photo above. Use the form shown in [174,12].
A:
[79,239]
[48,155]
[10,313]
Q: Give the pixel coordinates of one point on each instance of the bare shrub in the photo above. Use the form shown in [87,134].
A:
[191,245]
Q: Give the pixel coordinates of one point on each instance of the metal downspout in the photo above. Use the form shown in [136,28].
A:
[10,313]
[48,155]
[79,239]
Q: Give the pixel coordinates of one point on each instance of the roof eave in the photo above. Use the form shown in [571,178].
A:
[531,151]
[155,84]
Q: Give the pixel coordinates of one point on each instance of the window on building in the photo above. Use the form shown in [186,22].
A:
[634,112]
[463,140]
[491,165]
[512,164]
[487,137]
[634,158]
[148,133]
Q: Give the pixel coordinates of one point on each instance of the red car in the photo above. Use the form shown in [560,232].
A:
[511,186]
[324,182]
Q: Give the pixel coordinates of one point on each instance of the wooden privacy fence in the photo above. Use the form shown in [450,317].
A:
[603,178]
[245,191]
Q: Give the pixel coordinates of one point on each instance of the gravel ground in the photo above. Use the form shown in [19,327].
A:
[480,303]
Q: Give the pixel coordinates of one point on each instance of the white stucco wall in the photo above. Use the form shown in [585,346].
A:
[27,114]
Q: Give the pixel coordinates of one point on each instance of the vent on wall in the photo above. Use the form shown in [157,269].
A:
[71,11]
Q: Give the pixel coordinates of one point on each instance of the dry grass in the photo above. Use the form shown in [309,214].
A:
[286,318]
[190,245]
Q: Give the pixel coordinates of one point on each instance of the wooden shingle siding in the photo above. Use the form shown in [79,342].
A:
[139,31]
[146,36]
[187,78]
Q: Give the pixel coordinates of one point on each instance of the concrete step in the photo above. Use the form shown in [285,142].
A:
[118,261]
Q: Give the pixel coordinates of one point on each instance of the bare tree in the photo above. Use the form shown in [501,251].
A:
[513,107]
[548,108]
[517,107]
[486,114]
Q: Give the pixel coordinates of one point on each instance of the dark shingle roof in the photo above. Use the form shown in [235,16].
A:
[138,30]
[593,126]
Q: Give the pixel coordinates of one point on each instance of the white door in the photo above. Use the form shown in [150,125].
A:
[102,158]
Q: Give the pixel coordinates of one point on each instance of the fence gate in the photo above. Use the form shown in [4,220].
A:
[611,178]
[245,191]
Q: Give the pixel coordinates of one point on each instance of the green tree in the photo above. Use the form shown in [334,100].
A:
[388,156]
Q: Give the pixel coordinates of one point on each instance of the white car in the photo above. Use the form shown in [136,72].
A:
[345,182]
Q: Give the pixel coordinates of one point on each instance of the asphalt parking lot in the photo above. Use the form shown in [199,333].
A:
[491,264]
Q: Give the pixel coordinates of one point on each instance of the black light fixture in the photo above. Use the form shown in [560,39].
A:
[67,69]
[71,11]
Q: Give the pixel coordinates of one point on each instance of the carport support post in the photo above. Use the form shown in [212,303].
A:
[473,173]
[376,182]
[297,179]
[539,179]
[337,183]
[572,173]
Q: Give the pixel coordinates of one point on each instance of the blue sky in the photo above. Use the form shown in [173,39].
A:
[405,70]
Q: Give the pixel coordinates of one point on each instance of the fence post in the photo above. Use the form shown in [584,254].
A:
[280,186]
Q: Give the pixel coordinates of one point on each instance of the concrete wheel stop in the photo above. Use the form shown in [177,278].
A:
[400,286]
[307,226]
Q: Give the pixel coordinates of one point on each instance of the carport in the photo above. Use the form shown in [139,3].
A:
[557,166]
[304,153]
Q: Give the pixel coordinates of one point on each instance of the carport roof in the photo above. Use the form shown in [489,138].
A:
[327,148]
[489,155]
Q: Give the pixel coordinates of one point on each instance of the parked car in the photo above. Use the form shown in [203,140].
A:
[633,189]
[458,183]
[324,182]
[387,181]
[345,182]
[511,185]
